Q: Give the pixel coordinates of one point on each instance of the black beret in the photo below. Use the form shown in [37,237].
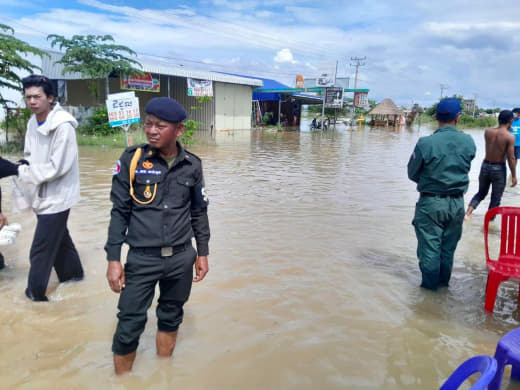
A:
[166,109]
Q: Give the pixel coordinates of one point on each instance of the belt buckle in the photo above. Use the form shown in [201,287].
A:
[166,251]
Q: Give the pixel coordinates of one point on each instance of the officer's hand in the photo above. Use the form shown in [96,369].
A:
[116,276]
[3,220]
[201,268]
[513,181]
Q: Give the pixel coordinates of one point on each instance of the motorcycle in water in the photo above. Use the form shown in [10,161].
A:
[316,125]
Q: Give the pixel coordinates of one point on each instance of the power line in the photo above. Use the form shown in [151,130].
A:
[208,65]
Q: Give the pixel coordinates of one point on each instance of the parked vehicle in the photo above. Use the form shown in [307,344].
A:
[316,125]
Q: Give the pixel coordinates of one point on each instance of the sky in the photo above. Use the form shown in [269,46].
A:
[411,50]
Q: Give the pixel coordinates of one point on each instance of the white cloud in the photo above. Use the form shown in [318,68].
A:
[411,51]
[284,55]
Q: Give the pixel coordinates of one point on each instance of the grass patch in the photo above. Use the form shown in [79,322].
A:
[117,140]
[465,121]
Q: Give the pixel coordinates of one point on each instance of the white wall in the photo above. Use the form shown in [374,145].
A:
[232,106]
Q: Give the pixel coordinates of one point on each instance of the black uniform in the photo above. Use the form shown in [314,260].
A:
[167,209]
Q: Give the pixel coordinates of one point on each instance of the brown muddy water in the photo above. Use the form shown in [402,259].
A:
[313,280]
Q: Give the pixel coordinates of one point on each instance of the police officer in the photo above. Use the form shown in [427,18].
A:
[159,203]
[439,165]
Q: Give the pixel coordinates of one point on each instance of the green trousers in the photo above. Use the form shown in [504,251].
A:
[438,227]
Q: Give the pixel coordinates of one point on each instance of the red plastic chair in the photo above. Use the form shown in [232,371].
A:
[507,266]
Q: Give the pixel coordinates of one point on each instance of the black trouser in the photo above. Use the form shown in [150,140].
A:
[142,272]
[52,246]
[491,174]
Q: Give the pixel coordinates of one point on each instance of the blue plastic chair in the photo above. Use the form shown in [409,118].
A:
[507,352]
[484,364]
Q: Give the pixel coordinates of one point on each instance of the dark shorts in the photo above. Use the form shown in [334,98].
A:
[142,272]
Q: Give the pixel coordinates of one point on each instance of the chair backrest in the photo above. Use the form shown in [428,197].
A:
[510,231]
[486,365]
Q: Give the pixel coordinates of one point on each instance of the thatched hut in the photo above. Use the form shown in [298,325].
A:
[385,113]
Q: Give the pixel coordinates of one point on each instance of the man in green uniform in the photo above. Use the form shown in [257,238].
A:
[439,165]
[159,204]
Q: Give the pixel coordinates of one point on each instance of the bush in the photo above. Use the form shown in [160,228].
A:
[468,121]
[98,124]
[190,128]
[15,126]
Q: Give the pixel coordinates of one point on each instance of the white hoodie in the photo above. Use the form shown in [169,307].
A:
[52,152]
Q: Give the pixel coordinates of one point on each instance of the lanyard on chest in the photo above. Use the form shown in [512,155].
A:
[133,167]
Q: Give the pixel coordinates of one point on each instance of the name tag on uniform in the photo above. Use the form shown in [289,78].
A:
[151,172]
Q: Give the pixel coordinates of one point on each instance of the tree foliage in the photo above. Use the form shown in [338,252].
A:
[94,56]
[13,59]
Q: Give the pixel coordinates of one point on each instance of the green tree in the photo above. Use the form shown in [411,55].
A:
[13,53]
[95,57]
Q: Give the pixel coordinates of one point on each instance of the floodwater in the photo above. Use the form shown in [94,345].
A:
[313,280]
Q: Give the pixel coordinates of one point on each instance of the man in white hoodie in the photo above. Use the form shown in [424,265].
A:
[53,175]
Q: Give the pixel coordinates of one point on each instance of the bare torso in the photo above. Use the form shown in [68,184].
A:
[499,141]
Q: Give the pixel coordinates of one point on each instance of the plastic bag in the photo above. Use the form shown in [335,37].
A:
[21,197]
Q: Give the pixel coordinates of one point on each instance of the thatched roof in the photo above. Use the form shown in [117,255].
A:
[386,107]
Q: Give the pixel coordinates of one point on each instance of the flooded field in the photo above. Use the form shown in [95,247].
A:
[313,280]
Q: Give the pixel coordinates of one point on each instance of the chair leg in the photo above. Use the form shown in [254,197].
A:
[515,371]
[494,280]
[501,363]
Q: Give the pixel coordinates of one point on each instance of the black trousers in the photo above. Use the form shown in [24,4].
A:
[142,272]
[52,246]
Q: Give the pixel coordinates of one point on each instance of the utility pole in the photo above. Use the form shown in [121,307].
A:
[357,63]
[443,87]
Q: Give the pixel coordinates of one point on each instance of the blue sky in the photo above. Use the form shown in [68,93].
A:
[411,47]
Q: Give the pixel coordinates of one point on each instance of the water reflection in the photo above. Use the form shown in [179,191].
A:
[313,277]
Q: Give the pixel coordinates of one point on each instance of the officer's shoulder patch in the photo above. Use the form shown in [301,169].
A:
[117,168]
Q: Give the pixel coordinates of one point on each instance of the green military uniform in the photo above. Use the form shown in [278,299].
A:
[439,165]
[156,214]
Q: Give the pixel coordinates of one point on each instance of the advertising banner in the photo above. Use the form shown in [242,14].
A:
[327,74]
[148,82]
[123,109]
[198,87]
[334,98]
[299,81]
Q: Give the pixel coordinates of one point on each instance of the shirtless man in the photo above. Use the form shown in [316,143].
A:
[500,143]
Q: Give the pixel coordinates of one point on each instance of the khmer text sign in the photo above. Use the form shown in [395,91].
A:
[123,109]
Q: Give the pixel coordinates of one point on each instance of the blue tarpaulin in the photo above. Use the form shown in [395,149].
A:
[268,85]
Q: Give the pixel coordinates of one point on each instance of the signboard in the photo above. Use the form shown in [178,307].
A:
[198,87]
[299,81]
[148,82]
[327,74]
[123,109]
[360,99]
[334,98]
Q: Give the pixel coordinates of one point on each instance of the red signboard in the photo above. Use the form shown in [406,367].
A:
[149,82]
[360,99]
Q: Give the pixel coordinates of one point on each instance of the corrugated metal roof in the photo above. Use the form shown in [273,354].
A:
[53,71]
